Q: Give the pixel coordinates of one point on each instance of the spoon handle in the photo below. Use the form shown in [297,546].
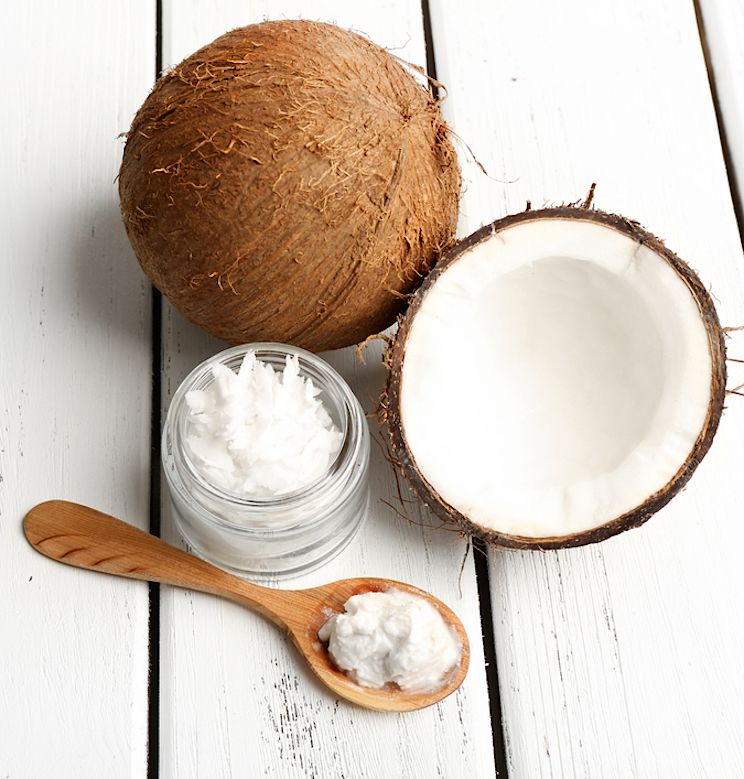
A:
[81,536]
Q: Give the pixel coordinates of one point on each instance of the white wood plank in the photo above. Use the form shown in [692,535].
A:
[235,700]
[723,22]
[622,659]
[74,385]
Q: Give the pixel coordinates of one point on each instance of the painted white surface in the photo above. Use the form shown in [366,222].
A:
[616,660]
[235,699]
[622,659]
[74,386]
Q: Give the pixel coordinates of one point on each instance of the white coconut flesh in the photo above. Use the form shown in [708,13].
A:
[554,377]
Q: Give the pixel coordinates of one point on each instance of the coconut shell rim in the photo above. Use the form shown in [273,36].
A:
[403,457]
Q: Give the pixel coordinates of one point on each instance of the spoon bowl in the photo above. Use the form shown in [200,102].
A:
[329,599]
[85,538]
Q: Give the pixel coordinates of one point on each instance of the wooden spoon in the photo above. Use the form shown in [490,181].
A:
[86,538]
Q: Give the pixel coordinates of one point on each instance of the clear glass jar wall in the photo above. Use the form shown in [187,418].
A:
[271,537]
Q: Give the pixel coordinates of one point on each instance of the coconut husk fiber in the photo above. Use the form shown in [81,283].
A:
[290,182]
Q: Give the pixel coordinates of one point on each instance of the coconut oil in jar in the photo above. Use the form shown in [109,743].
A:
[266,452]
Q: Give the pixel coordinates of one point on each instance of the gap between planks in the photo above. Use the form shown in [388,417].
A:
[736,195]
[153,688]
[483,582]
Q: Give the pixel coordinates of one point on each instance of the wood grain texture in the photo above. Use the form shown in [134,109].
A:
[74,385]
[621,659]
[233,700]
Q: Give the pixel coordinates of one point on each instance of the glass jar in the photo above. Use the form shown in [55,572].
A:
[271,537]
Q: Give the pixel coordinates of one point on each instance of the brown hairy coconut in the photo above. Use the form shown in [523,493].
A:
[556,379]
[291,181]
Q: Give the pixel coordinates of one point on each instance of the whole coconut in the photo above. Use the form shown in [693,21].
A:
[292,182]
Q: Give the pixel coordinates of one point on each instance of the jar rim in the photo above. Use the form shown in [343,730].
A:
[340,470]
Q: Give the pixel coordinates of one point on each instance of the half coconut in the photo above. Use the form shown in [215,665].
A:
[556,380]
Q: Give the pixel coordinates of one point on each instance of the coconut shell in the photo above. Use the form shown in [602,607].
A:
[405,461]
[290,182]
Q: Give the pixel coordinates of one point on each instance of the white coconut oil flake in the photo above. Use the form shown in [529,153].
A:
[392,636]
[260,432]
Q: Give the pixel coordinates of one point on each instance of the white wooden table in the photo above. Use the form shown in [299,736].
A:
[618,660]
